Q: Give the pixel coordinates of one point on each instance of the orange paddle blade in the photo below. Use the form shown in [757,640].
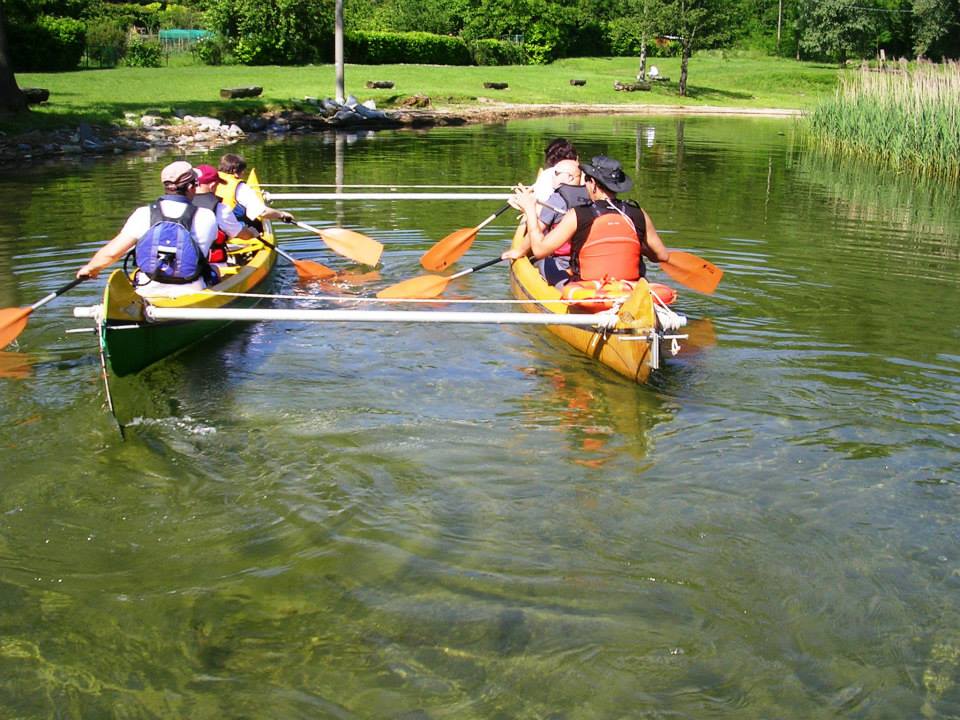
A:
[15,365]
[311,270]
[12,323]
[449,250]
[700,335]
[694,272]
[425,286]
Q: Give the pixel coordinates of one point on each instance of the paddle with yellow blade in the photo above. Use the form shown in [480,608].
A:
[693,271]
[356,246]
[306,269]
[14,320]
[429,286]
[454,245]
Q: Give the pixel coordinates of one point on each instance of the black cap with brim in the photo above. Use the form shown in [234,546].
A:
[608,173]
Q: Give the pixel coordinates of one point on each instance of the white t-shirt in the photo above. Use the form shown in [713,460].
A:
[203,228]
[228,221]
[251,201]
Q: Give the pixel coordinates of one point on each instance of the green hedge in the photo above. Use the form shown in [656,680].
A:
[384,48]
[49,44]
[497,52]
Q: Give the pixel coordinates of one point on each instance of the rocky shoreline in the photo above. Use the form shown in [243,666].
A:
[152,131]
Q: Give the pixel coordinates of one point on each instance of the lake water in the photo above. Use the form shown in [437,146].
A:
[425,522]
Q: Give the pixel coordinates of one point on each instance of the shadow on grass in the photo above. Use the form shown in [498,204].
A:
[705,93]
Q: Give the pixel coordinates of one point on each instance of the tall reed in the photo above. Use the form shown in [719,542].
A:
[907,117]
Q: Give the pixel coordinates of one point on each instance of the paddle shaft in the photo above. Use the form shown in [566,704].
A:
[14,320]
[279,252]
[481,266]
[57,293]
[493,217]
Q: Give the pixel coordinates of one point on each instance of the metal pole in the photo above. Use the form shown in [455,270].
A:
[502,197]
[779,22]
[598,320]
[338,50]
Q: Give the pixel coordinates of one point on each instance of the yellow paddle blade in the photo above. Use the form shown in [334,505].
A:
[311,270]
[349,243]
[356,246]
[12,323]
[425,286]
[449,250]
[694,272]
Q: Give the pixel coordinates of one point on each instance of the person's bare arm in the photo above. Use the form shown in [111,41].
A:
[654,248]
[272,214]
[542,246]
[107,255]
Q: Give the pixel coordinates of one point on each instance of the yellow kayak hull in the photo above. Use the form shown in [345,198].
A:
[626,350]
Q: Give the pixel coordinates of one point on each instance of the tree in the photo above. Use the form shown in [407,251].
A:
[838,29]
[933,21]
[644,17]
[698,23]
[11,97]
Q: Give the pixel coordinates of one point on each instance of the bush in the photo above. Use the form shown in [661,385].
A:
[179,16]
[143,53]
[381,48]
[127,15]
[211,50]
[106,42]
[50,44]
[497,52]
[282,32]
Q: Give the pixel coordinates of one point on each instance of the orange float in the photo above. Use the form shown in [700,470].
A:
[600,295]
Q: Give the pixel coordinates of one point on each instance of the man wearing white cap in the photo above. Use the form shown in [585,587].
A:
[156,228]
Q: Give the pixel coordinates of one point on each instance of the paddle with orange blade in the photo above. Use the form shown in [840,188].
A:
[356,246]
[454,245]
[429,286]
[694,272]
[14,320]
[306,269]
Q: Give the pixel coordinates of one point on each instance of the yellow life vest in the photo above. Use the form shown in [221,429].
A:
[226,190]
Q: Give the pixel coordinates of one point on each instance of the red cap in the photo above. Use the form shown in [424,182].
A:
[207,174]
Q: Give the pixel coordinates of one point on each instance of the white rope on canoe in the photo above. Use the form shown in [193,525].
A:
[669,320]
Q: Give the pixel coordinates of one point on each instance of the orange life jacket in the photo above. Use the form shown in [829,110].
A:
[611,249]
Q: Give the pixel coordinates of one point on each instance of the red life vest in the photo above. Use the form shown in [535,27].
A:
[218,250]
[611,249]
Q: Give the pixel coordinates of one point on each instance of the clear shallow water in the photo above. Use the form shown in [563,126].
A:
[432,522]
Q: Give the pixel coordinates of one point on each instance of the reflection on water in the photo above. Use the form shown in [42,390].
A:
[417,521]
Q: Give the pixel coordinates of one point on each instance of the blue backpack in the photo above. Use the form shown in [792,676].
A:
[168,252]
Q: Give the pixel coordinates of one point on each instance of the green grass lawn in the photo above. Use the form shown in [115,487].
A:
[716,78]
